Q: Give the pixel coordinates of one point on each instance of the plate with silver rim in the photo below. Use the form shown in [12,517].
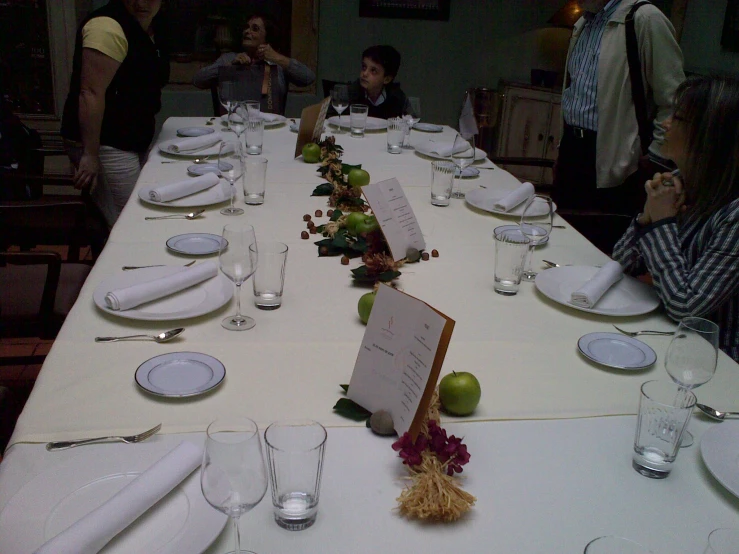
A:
[216,194]
[617,351]
[720,452]
[180,374]
[428,127]
[198,170]
[212,150]
[428,148]
[274,120]
[196,244]
[373,123]
[537,230]
[485,199]
[194,131]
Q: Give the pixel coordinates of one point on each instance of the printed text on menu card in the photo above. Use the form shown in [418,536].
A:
[396,217]
[400,358]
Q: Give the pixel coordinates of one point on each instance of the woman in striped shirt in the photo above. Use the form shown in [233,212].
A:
[687,237]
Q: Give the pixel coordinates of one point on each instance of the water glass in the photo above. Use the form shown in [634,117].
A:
[295,451]
[396,127]
[463,154]
[254,136]
[269,279]
[511,246]
[723,541]
[536,223]
[614,545]
[442,179]
[358,119]
[664,413]
[412,115]
[253,110]
[255,181]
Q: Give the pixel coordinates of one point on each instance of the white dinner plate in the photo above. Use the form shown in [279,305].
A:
[196,244]
[428,127]
[194,131]
[720,451]
[539,231]
[627,297]
[197,170]
[213,195]
[197,300]
[485,199]
[425,147]
[182,521]
[278,120]
[616,350]
[373,123]
[180,374]
[210,151]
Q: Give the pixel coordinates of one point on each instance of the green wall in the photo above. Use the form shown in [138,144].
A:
[701,41]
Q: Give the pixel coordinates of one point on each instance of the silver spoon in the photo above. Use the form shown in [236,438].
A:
[191,215]
[551,264]
[130,267]
[161,337]
[715,414]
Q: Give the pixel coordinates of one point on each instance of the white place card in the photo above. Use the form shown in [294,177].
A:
[395,215]
[400,358]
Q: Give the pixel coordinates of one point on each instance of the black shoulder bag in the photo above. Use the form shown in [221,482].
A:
[637,82]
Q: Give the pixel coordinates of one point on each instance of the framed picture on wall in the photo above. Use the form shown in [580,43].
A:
[405,9]
[730,36]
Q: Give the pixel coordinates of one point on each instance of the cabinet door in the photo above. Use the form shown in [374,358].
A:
[555,130]
[526,132]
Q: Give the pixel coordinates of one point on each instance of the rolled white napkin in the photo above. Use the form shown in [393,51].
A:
[520,194]
[193,144]
[91,533]
[130,297]
[173,191]
[446,149]
[589,293]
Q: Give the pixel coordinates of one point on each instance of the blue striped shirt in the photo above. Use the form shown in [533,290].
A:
[580,99]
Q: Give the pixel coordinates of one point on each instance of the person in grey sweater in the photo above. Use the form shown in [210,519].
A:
[263,71]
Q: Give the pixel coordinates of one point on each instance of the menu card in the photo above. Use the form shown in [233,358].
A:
[400,358]
[311,124]
[395,216]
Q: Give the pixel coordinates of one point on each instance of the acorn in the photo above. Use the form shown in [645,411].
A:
[319,213]
[434,253]
[425,256]
[304,235]
[381,423]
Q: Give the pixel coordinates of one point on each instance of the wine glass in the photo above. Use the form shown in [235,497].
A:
[340,101]
[237,119]
[692,356]
[463,154]
[231,159]
[536,224]
[238,264]
[226,94]
[233,476]
[411,115]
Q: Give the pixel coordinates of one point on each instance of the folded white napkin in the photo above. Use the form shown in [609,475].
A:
[520,194]
[173,191]
[193,144]
[446,149]
[130,297]
[269,117]
[91,533]
[589,293]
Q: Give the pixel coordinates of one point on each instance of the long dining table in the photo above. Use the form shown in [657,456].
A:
[550,443]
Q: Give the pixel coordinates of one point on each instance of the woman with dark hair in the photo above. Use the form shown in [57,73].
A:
[267,71]
[688,234]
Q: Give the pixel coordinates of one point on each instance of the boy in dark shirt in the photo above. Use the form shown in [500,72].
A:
[375,87]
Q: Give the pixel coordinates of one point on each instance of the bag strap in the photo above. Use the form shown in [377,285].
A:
[637,82]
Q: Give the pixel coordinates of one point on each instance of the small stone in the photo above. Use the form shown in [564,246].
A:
[319,213]
[344,260]
[425,256]
[313,230]
[412,255]
[330,213]
[304,235]
[306,217]
[381,422]
[434,253]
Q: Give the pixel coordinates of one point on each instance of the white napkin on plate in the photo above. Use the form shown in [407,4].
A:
[91,533]
[589,293]
[194,144]
[130,297]
[270,117]
[173,191]
[520,194]
[446,149]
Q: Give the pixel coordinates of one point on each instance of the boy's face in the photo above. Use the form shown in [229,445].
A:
[372,77]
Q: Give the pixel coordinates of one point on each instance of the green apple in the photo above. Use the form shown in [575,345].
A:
[459,393]
[358,177]
[359,222]
[311,153]
[364,307]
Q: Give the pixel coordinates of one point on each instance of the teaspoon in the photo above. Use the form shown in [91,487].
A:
[161,337]
[191,215]
[713,413]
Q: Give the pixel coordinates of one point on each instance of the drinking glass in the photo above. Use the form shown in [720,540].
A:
[692,356]
[237,119]
[536,224]
[226,96]
[357,120]
[233,476]
[396,130]
[411,115]
[253,110]
[254,136]
[723,541]
[340,102]
[463,154]
[238,264]
[231,155]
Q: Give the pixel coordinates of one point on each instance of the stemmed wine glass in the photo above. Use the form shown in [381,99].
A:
[692,356]
[536,224]
[231,165]
[237,119]
[340,101]
[411,115]
[238,264]
[226,96]
[233,476]
[463,154]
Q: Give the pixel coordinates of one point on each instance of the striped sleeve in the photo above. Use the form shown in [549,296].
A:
[105,35]
[627,253]
[700,289]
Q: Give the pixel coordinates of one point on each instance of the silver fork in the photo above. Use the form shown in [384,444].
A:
[129,267]
[646,332]
[131,439]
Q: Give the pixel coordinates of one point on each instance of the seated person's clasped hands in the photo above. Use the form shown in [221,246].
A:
[665,198]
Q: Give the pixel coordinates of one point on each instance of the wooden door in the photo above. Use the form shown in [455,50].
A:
[525,130]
